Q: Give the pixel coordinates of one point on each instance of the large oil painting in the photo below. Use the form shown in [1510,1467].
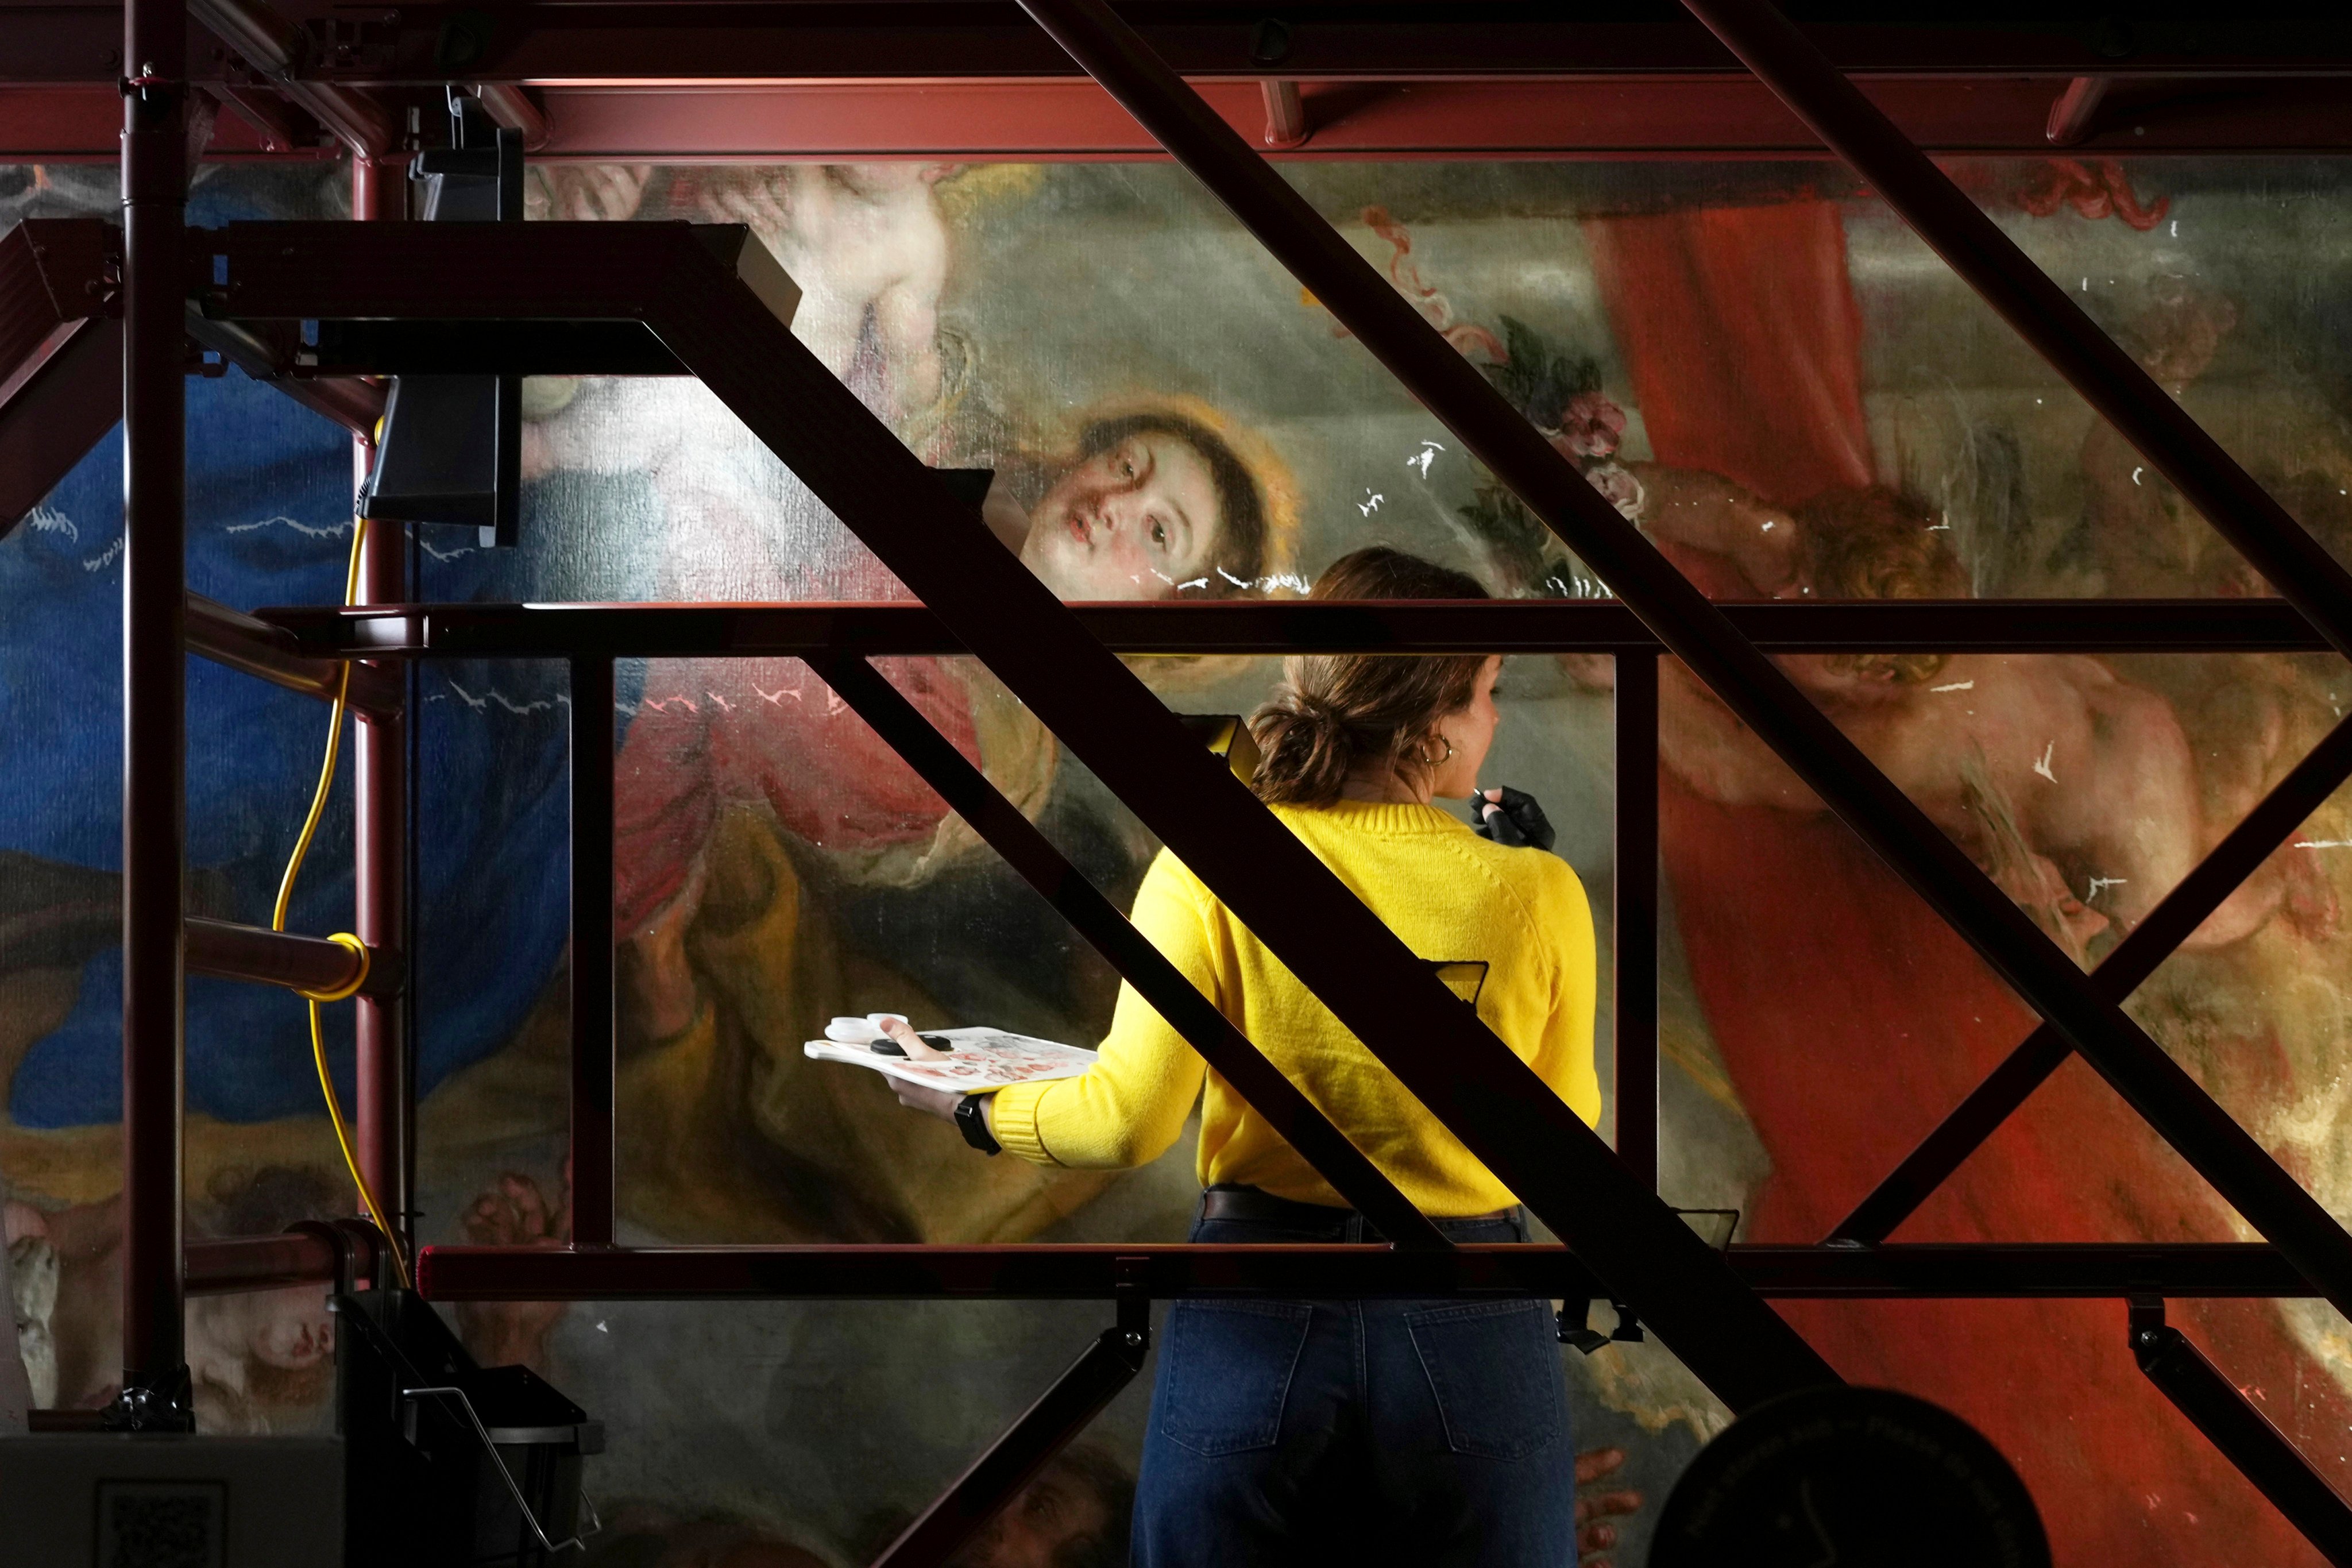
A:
[1755,362]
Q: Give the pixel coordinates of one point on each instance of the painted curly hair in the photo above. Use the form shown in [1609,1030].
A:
[1869,542]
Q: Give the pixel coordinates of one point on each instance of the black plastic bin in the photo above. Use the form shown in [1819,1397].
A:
[439,1447]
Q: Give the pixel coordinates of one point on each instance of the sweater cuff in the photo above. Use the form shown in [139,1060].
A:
[1016,1121]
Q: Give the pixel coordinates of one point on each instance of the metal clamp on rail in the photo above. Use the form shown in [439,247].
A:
[326,969]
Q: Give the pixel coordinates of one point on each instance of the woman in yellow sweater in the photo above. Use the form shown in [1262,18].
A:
[1381,1431]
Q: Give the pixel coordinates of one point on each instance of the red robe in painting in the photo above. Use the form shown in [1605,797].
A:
[1851,1018]
[712,732]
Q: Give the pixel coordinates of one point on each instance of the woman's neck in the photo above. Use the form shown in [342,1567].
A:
[1387,787]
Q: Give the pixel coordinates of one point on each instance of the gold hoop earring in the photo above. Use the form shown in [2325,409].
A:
[1427,763]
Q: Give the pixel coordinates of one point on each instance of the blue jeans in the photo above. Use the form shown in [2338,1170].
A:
[1370,1431]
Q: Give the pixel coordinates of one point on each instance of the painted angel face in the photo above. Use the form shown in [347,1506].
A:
[1137,521]
[292,1328]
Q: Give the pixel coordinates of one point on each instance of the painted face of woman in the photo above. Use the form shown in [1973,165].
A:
[1137,521]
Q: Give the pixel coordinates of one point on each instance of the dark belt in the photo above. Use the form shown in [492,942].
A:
[1255,1204]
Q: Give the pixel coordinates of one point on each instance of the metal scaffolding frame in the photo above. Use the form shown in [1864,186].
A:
[670,299]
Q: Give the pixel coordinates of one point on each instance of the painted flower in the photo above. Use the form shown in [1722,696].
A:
[1589,426]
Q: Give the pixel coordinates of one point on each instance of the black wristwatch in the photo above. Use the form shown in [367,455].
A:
[974,1126]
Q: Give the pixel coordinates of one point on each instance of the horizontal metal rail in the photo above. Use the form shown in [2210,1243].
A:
[233,951]
[337,1252]
[237,640]
[1281,627]
[1088,1272]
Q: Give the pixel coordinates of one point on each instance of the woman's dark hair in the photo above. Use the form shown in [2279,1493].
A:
[1240,548]
[1334,714]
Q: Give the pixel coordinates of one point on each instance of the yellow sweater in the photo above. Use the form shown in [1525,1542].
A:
[1452,896]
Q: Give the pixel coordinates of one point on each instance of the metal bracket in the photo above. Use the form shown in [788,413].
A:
[2243,1433]
[577,1539]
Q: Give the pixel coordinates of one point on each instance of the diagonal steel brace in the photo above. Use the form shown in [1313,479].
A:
[2247,1438]
[1030,853]
[1695,631]
[701,291]
[2157,936]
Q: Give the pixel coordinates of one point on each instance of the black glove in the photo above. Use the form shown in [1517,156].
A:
[1519,820]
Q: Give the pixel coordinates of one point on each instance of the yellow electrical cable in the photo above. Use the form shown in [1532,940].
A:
[341,937]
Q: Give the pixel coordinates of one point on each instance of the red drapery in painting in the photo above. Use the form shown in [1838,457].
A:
[1851,1018]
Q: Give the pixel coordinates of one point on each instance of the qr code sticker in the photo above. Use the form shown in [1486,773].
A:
[159,1524]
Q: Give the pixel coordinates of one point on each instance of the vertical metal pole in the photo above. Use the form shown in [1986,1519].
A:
[154,713]
[384,1115]
[592,950]
[1634,995]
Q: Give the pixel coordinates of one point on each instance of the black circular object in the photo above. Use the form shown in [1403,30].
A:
[1858,1477]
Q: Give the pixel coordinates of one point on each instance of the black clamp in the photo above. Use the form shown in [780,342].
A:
[168,1405]
[1576,1329]
[1130,1293]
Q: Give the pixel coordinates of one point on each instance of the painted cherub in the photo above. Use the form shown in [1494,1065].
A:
[2074,789]
[867,243]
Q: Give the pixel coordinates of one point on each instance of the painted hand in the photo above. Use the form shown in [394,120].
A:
[1594,1510]
[514,1213]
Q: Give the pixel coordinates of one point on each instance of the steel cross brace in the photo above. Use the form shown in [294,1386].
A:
[1043,1430]
[2263,1453]
[1028,851]
[2157,936]
[1697,632]
[700,290]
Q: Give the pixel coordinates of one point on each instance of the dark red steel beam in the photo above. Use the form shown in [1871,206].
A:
[1457,119]
[1164,1271]
[335,1252]
[1042,1431]
[233,1265]
[355,405]
[2306,788]
[1633,925]
[1014,836]
[1695,631]
[54,409]
[549,42]
[383,1112]
[271,653]
[717,321]
[1063,120]
[281,51]
[1280,626]
[267,957]
[2074,114]
[2233,1422]
[155,1393]
[593,1036]
[60,352]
